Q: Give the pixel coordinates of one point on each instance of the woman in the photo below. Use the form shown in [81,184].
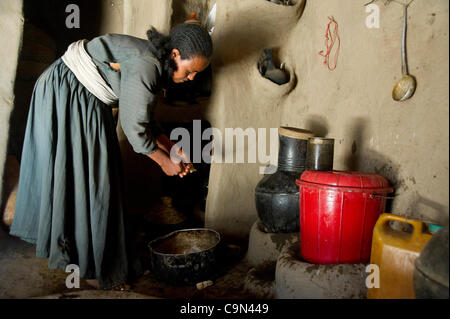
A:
[69,201]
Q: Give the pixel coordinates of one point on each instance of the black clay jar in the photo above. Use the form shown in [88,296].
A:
[277,195]
[320,154]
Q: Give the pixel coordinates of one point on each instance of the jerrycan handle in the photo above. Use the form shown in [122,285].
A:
[417,225]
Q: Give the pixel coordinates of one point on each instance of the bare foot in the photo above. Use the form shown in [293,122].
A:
[93,282]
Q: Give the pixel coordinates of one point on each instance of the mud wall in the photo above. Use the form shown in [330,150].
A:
[11,26]
[406,142]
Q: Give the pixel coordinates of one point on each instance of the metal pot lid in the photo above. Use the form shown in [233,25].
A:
[297,133]
[346,179]
[320,140]
[171,243]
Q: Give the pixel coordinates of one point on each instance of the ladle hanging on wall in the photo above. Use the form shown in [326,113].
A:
[406,86]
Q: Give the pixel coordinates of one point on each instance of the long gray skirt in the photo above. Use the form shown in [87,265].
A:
[70,199]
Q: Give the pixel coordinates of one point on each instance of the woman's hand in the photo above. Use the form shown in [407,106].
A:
[171,169]
[168,166]
[164,143]
[167,144]
[187,166]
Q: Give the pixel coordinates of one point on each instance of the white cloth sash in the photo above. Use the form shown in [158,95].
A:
[81,64]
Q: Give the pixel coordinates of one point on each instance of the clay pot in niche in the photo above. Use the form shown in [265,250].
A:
[283,2]
[267,68]
[277,195]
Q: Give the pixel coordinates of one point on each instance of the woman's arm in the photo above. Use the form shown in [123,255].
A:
[138,87]
[166,144]
[137,98]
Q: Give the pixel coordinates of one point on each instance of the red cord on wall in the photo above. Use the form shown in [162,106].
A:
[330,40]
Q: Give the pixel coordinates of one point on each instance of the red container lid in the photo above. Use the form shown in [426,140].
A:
[346,180]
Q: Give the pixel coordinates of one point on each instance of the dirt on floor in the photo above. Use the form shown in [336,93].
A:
[23,275]
[228,286]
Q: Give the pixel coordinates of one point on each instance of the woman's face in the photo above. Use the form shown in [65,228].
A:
[187,69]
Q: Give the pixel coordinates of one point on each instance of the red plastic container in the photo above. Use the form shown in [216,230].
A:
[338,211]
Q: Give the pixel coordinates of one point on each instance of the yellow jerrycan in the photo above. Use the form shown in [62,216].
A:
[394,252]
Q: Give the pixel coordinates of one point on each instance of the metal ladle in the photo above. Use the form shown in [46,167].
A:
[406,86]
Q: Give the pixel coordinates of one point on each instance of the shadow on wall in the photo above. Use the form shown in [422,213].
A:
[362,158]
[435,211]
[358,135]
[254,28]
[317,124]
[45,38]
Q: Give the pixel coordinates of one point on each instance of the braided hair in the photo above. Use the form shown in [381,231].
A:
[190,39]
